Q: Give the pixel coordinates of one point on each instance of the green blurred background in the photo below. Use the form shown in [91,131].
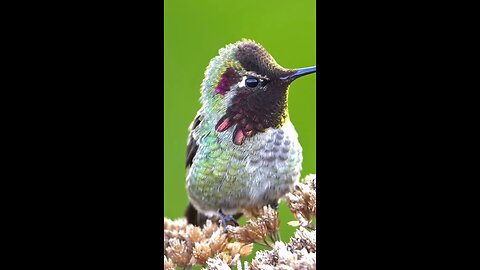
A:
[194,32]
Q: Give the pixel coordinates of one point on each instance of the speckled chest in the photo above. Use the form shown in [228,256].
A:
[258,172]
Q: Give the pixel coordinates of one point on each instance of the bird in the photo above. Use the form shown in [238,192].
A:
[242,150]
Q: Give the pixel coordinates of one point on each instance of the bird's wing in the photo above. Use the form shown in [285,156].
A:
[193,216]
[192,145]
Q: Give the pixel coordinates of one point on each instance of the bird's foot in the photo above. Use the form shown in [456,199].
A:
[274,205]
[225,219]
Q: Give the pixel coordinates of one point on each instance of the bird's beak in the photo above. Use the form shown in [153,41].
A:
[297,73]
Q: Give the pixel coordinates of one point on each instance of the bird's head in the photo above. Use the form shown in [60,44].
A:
[245,89]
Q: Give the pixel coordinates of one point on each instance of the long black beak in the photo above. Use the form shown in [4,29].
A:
[300,72]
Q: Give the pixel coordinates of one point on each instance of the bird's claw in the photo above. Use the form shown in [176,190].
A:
[274,205]
[225,219]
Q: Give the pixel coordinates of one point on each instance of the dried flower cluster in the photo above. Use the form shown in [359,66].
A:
[302,201]
[299,253]
[186,245]
[262,223]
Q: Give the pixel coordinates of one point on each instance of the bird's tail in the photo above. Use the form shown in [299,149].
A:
[194,217]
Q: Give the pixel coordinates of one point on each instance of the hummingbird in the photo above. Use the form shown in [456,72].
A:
[242,150]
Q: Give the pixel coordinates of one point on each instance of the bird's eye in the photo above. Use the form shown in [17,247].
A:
[251,81]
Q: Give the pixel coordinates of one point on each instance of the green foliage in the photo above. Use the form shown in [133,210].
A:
[194,32]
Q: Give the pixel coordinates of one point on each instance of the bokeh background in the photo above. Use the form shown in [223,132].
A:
[194,32]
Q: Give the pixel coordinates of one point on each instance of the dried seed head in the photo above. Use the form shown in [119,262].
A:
[218,241]
[304,239]
[234,248]
[246,250]
[282,257]
[177,225]
[178,252]
[266,223]
[201,253]
[238,248]
[194,234]
[209,228]
[168,264]
[216,264]
[224,257]
[302,201]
